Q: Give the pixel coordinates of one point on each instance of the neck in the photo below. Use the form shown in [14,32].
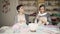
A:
[21,13]
[41,12]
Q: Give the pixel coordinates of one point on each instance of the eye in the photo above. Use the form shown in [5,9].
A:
[21,8]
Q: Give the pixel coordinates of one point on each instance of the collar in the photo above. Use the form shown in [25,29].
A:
[42,14]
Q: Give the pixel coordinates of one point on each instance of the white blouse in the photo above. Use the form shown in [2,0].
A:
[21,18]
[41,17]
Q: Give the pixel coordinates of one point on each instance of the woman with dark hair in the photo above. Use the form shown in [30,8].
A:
[43,17]
[21,19]
[21,13]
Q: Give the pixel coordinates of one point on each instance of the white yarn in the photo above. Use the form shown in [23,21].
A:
[33,26]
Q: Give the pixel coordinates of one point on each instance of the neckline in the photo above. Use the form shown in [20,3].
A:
[42,14]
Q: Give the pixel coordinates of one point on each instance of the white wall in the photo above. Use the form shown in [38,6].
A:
[8,18]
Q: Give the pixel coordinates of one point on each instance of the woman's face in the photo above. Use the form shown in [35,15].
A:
[42,9]
[21,9]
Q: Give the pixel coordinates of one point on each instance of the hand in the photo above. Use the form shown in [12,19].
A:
[43,19]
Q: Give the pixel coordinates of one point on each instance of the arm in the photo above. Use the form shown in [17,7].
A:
[16,19]
[36,19]
[27,18]
[49,19]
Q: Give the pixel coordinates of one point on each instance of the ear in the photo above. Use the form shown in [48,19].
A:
[18,10]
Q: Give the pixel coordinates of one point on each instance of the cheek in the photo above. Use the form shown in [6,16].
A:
[42,10]
[22,9]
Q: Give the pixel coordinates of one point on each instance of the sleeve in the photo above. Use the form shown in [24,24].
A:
[36,19]
[27,18]
[16,19]
[49,19]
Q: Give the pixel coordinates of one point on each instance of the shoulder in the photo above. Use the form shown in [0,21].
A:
[48,14]
[16,16]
